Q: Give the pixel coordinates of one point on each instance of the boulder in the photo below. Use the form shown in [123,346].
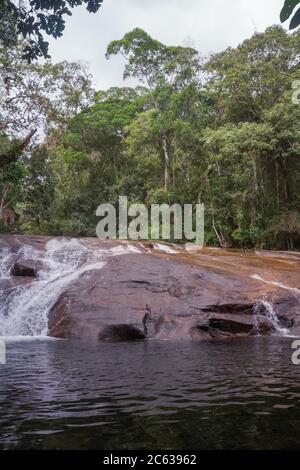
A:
[163,297]
[22,270]
[149,293]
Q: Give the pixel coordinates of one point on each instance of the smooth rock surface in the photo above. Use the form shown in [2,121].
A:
[203,295]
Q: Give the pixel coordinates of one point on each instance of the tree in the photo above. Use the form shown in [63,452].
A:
[153,63]
[164,139]
[84,166]
[165,70]
[12,172]
[34,19]
[256,130]
[40,96]
[34,207]
[287,10]
[248,79]
[236,193]
[39,100]
[225,133]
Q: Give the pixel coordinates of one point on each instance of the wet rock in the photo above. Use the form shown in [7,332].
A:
[22,270]
[203,295]
[225,327]
[183,305]
[246,309]
[121,333]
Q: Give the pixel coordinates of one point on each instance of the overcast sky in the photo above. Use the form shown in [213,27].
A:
[207,25]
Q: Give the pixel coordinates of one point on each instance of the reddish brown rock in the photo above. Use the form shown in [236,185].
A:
[187,298]
[204,295]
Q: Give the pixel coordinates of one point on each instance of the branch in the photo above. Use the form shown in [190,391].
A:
[13,155]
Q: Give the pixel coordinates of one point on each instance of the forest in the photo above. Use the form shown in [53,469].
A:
[221,130]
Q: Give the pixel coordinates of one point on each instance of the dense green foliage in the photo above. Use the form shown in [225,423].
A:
[33,19]
[224,132]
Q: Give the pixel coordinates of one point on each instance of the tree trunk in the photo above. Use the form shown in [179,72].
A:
[13,155]
[223,243]
[277,183]
[255,179]
[256,190]
[167,164]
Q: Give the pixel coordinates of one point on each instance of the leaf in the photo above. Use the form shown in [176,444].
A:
[295,20]
[288,9]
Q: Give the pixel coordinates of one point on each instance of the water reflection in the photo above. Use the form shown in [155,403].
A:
[232,394]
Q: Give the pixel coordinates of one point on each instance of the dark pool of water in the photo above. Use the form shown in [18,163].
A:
[241,394]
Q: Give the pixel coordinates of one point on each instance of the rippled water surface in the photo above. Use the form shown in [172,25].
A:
[236,394]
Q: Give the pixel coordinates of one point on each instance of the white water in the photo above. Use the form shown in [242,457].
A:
[24,309]
[192,247]
[264,309]
[5,262]
[164,248]
[276,283]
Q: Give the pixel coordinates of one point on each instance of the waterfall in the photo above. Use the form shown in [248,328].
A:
[24,308]
[265,309]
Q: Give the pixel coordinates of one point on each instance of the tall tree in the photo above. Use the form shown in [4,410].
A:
[231,141]
[36,100]
[91,153]
[40,95]
[248,79]
[165,70]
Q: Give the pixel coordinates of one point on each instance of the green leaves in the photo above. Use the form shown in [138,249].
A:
[287,11]
[35,18]
[233,144]
[153,63]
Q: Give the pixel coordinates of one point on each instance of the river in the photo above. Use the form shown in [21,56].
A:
[233,394]
[118,345]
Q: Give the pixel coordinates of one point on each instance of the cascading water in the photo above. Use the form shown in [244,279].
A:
[24,309]
[5,264]
[264,309]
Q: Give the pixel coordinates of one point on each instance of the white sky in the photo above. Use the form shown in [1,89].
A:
[207,25]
